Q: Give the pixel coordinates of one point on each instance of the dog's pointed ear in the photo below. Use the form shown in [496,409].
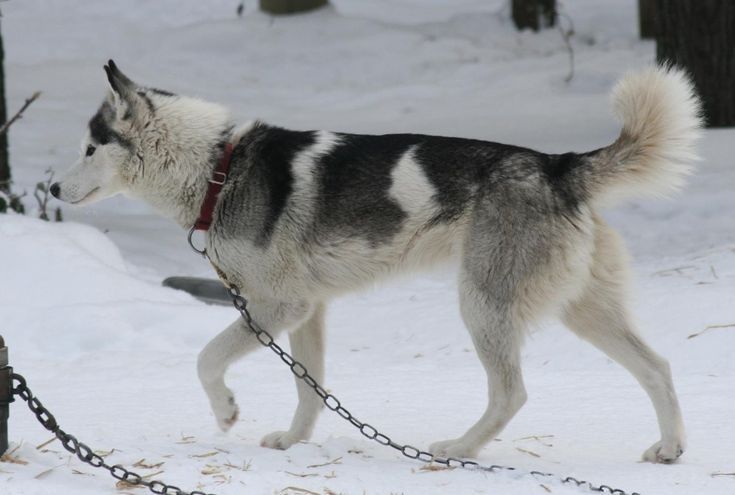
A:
[119,82]
[124,91]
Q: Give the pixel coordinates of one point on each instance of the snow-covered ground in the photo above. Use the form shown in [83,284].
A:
[113,354]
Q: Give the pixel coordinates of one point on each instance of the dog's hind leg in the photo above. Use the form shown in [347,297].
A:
[307,347]
[516,266]
[235,342]
[601,317]
[497,339]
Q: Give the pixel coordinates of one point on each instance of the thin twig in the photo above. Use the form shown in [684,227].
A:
[338,460]
[678,270]
[710,327]
[45,443]
[302,475]
[529,452]
[566,35]
[298,489]
[538,438]
[45,188]
[19,114]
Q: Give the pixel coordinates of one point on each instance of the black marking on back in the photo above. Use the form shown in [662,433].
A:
[457,167]
[354,178]
[354,182]
[558,171]
[276,151]
[262,178]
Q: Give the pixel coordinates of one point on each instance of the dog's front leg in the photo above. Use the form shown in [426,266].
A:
[307,347]
[235,342]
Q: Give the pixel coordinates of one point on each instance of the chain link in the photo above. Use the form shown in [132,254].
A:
[370,432]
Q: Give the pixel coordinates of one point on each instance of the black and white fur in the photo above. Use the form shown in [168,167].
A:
[308,215]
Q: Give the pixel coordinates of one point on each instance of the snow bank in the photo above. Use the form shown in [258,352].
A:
[60,280]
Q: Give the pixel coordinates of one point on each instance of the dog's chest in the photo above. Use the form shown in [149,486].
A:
[254,270]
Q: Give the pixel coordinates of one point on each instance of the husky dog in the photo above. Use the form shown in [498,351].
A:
[305,216]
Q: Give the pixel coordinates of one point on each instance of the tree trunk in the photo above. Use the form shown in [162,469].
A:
[647,18]
[4,164]
[290,6]
[699,35]
[534,14]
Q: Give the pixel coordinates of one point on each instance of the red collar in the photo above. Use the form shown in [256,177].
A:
[218,179]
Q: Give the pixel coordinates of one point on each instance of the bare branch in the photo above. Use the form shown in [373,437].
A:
[41,193]
[566,36]
[19,114]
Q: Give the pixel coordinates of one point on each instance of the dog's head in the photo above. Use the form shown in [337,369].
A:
[149,144]
[112,151]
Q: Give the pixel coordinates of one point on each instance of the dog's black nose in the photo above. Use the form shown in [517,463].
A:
[54,189]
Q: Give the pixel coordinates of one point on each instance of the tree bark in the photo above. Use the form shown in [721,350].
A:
[647,19]
[534,14]
[699,35]
[4,163]
[290,6]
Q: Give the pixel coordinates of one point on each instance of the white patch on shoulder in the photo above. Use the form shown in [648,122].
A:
[303,168]
[303,163]
[241,130]
[411,188]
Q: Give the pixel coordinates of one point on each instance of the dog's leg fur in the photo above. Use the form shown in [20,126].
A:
[235,342]
[307,347]
[227,347]
[601,317]
[491,274]
[497,342]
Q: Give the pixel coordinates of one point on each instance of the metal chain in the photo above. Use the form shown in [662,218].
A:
[372,433]
[85,454]
[82,451]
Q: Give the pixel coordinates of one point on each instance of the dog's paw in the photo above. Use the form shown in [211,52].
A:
[225,411]
[663,452]
[453,448]
[280,440]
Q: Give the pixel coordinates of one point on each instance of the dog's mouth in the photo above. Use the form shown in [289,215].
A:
[86,197]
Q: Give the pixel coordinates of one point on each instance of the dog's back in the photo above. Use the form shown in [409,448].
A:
[352,207]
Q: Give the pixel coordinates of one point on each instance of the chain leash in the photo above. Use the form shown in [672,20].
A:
[372,433]
[86,455]
[82,451]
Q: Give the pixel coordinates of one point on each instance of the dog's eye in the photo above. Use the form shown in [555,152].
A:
[90,150]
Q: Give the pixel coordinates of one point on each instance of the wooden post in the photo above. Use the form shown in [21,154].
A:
[6,395]
[4,163]
[534,14]
[699,35]
[647,19]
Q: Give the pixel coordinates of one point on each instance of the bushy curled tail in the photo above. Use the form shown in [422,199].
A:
[662,120]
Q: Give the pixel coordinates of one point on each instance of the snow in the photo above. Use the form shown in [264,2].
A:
[113,353]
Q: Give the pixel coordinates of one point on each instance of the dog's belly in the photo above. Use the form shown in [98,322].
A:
[331,265]
[348,264]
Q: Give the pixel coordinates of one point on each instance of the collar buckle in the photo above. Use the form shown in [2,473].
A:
[214,187]
[218,178]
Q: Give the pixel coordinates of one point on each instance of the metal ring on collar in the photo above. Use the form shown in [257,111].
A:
[202,251]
